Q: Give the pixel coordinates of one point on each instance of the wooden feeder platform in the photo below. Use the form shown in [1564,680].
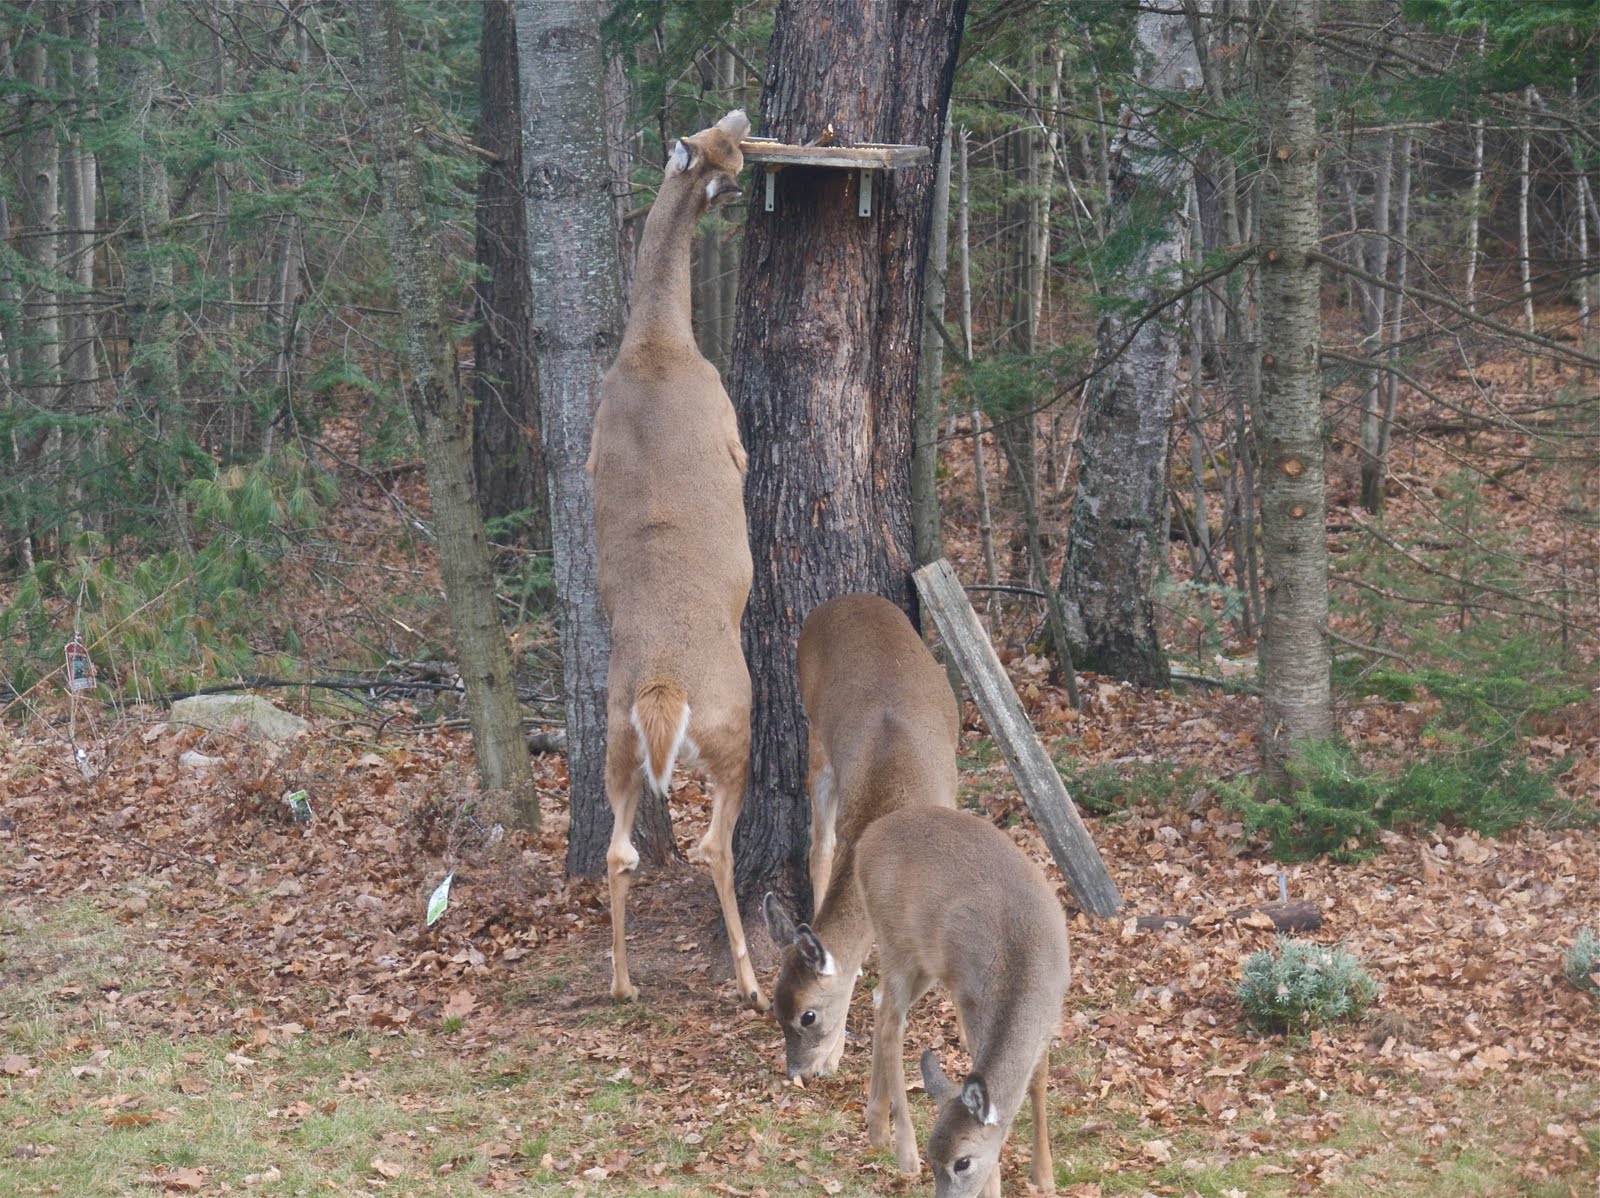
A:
[867,158]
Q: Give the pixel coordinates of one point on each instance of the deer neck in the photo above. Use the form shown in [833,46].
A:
[842,923]
[660,304]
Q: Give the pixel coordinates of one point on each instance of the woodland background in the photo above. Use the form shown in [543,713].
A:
[212,475]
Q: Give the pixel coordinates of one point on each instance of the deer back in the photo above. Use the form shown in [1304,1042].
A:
[954,902]
[884,729]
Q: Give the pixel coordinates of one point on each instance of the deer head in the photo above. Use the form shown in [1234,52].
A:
[711,158]
[964,1144]
[811,999]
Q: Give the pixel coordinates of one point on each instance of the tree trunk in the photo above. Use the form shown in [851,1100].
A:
[1524,240]
[1374,324]
[153,375]
[506,456]
[39,211]
[434,394]
[825,366]
[1295,663]
[1116,545]
[79,181]
[577,326]
[283,303]
[930,372]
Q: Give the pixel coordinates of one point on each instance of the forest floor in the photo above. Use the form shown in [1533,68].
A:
[199,995]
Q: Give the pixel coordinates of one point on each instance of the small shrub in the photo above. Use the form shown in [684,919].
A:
[1108,789]
[1305,986]
[1583,962]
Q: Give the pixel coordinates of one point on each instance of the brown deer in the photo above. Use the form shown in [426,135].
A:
[953,901]
[884,729]
[674,556]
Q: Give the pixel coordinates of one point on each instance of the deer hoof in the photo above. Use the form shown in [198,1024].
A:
[757,1001]
[907,1161]
[624,991]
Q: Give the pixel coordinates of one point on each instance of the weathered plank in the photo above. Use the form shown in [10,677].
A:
[944,599]
[862,157]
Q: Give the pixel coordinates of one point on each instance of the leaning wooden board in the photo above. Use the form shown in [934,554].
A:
[1063,829]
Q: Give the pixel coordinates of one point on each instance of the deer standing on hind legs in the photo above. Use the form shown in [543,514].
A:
[674,556]
[884,730]
[953,901]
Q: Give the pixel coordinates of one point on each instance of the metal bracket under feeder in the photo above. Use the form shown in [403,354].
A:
[866,159]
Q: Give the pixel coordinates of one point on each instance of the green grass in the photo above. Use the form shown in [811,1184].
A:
[106,1107]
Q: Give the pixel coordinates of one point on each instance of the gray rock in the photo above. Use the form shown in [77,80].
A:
[258,717]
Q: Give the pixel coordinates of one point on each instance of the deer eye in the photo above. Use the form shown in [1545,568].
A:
[963,1164]
[808,1019]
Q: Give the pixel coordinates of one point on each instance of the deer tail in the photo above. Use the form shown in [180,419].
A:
[660,716]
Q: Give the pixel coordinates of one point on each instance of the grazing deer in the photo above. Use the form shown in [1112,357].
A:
[884,728]
[952,900]
[674,556]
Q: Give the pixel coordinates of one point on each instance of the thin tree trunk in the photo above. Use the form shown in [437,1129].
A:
[991,569]
[39,208]
[1374,324]
[1400,258]
[283,303]
[506,457]
[153,374]
[79,179]
[1297,698]
[1475,196]
[825,366]
[1524,243]
[437,405]
[930,376]
[577,326]
[621,142]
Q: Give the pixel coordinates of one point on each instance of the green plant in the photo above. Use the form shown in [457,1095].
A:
[1338,807]
[1304,986]
[1108,788]
[1583,962]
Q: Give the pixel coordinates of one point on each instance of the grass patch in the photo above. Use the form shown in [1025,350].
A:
[103,1106]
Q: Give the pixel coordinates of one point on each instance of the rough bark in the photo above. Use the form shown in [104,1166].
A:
[433,391]
[506,456]
[930,372]
[577,326]
[1116,545]
[825,364]
[1295,661]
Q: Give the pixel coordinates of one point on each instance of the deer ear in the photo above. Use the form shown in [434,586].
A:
[779,925]
[736,124]
[682,156]
[975,1097]
[934,1081]
[812,952]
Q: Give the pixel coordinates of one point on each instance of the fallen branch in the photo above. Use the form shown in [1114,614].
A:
[1284,917]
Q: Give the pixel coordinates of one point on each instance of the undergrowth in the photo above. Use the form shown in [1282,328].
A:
[1304,986]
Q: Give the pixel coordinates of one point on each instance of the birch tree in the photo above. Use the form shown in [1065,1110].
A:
[1116,545]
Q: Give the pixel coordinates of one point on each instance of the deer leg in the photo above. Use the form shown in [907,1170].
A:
[819,781]
[886,1097]
[622,859]
[1043,1172]
[716,850]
